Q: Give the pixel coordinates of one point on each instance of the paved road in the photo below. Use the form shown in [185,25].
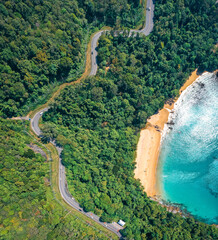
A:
[114,227]
[35,121]
[94,53]
[149,24]
[146,31]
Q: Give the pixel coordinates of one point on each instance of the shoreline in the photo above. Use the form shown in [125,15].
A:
[149,143]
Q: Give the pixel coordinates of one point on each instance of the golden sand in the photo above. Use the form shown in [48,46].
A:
[149,144]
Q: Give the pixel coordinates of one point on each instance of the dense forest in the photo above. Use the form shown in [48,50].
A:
[98,121]
[178,45]
[43,44]
[128,13]
[27,207]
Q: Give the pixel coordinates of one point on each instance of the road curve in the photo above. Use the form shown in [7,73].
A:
[146,31]
[114,227]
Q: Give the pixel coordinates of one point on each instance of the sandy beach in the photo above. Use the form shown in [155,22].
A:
[149,144]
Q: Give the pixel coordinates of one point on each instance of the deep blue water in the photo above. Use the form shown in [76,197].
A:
[188,162]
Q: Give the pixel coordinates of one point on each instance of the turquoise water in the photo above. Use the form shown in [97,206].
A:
[188,162]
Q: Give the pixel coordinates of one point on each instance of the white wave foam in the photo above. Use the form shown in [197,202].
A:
[181,114]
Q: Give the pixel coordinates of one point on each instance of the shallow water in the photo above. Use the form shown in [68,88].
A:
[188,162]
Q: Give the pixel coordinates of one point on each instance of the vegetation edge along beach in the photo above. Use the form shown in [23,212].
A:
[98,121]
[148,146]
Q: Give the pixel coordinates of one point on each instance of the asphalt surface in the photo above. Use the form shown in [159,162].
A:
[114,227]
[146,31]
[35,122]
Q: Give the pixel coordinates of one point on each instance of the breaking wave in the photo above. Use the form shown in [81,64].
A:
[188,165]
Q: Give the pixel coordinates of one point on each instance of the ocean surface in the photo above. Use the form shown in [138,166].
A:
[188,161]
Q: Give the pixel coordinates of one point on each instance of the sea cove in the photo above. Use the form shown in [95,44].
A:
[188,161]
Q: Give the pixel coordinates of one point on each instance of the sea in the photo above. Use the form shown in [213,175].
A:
[188,161]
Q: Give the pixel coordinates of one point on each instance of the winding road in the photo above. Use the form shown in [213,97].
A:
[114,227]
[146,31]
